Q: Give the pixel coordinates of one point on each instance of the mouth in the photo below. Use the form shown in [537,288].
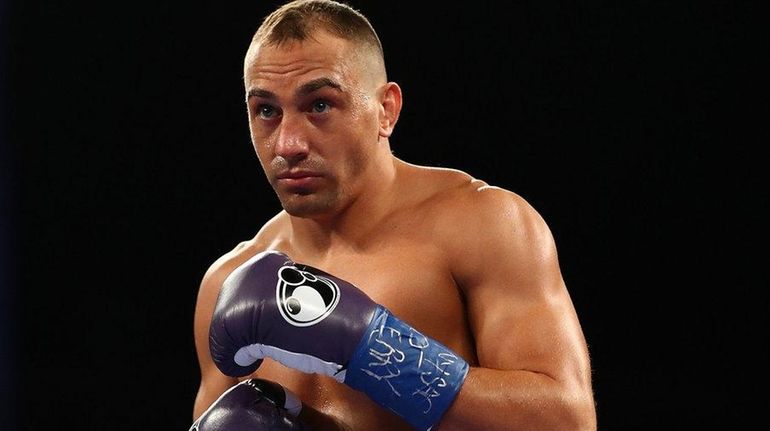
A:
[298,179]
[294,175]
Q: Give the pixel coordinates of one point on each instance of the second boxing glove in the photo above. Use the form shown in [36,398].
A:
[253,405]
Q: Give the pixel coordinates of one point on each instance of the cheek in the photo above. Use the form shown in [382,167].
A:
[262,149]
[357,158]
[259,149]
[262,144]
[360,145]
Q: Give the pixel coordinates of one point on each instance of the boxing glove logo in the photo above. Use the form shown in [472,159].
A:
[303,298]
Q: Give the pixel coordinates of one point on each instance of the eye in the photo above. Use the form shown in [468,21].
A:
[320,106]
[266,111]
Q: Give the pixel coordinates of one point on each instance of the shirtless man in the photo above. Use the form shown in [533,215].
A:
[385,295]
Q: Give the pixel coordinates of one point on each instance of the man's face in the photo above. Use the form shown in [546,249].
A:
[313,116]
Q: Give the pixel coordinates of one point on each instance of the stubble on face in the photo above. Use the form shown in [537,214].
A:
[305,201]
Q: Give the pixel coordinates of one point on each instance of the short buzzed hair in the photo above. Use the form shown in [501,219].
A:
[298,19]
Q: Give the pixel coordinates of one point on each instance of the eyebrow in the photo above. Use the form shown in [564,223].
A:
[317,84]
[303,90]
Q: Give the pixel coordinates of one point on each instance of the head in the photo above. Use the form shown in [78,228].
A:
[320,106]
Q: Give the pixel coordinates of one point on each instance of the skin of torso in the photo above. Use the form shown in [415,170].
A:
[403,264]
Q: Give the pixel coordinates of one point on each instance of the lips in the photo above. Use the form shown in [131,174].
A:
[294,175]
[298,179]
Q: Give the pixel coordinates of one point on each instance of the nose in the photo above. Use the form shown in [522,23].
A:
[292,141]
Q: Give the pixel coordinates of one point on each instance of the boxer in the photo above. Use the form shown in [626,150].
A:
[384,295]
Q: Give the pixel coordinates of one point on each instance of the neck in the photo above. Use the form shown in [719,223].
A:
[351,225]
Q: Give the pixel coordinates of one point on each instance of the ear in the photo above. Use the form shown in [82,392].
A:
[390,108]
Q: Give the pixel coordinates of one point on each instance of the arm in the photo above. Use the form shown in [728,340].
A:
[534,370]
[213,383]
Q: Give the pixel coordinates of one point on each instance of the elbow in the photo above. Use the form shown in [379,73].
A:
[578,412]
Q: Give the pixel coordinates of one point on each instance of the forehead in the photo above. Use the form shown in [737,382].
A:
[293,63]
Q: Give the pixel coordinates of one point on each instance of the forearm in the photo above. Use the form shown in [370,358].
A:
[521,400]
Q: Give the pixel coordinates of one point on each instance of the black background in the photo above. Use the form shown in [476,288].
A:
[631,126]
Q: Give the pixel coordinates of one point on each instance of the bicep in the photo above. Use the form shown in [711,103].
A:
[519,308]
[522,332]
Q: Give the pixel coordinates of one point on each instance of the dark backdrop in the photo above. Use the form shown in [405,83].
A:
[127,169]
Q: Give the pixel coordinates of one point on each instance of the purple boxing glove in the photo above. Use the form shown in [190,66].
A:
[253,405]
[311,321]
[272,307]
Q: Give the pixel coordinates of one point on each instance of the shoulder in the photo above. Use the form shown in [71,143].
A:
[218,271]
[503,220]
[479,225]
[459,199]
[493,213]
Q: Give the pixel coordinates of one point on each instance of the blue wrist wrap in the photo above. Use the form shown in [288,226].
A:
[404,371]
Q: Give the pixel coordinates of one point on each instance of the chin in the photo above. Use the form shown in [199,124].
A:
[307,206]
